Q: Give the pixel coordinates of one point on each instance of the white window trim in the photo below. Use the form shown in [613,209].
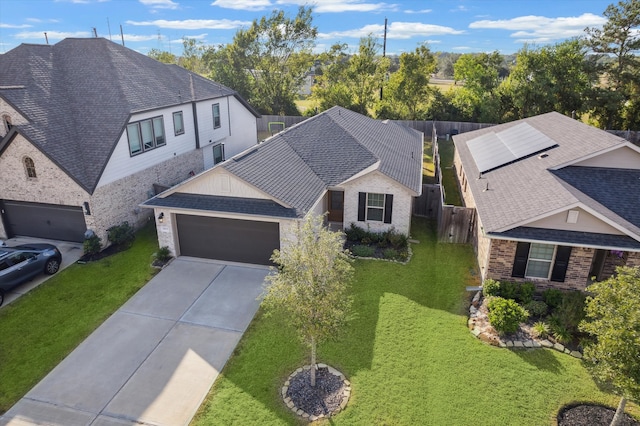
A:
[153,134]
[214,107]
[382,208]
[552,262]
[214,153]
[175,130]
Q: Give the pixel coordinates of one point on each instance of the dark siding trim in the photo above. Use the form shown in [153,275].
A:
[559,272]
[520,261]
[195,124]
[388,208]
[362,206]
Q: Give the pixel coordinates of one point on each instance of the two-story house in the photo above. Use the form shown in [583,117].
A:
[89,127]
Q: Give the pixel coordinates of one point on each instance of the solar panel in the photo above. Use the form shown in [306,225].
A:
[493,150]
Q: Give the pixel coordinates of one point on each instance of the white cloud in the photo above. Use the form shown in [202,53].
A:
[418,11]
[540,29]
[194,24]
[136,37]
[336,6]
[14,26]
[52,35]
[250,5]
[160,4]
[397,30]
[459,48]
[460,8]
[39,21]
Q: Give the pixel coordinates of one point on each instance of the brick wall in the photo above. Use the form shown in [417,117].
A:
[633,259]
[502,255]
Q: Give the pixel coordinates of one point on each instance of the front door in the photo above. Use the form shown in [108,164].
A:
[597,265]
[336,206]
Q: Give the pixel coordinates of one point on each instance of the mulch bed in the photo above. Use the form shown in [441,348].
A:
[109,251]
[324,398]
[591,415]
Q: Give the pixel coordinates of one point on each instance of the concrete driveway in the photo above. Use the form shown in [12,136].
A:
[71,252]
[154,360]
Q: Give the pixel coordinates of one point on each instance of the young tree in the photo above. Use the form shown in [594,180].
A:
[311,284]
[366,74]
[613,319]
[331,87]
[267,62]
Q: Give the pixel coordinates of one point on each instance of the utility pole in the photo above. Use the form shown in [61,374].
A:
[384,47]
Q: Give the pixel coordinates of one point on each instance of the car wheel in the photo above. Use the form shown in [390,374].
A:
[52,266]
[1,297]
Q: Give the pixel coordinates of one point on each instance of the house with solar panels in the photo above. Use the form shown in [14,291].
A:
[557,201]
[90,129]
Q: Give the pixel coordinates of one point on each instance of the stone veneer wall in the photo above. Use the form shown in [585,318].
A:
[502,255]
[118,201]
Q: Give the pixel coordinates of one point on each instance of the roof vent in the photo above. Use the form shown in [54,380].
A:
[543,155]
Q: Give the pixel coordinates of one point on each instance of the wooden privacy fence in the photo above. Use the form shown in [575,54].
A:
[456,224]
[429,203]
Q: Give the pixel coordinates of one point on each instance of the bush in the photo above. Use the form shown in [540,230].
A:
[490,288]
[561,334]
[390,254]
[362,251]
[525,292]
[92,245]
[552,297]
[540,329]
[505,315]
[396,239]
[537,308]
[163,254]
[355,233]
[122,234]
[571,310]
[509,290]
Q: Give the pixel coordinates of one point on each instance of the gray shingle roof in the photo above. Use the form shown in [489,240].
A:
[251,206]
[79,93]
[299,164]
[569,237]
[527,189]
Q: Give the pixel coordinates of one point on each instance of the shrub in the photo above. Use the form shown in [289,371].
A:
[362,251]
[92,245]
[396,239]
[561,334]
[490,288]
[540,329]
[505,315]
[509,290]
[571,310]
[537,308]
[390,253]
[122,234]
[163,254]
[525,292]
[355,233]
[552,297]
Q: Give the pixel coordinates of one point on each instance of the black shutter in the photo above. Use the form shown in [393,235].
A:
[362,206]
[560,266]
[520,262]
[388,207]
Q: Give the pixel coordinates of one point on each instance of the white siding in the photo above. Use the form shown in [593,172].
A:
[122,164]
[219,181]
[621,158]
[586,223]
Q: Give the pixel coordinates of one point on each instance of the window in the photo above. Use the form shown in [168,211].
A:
[536,260]
[178,123]
[375,207]
[218,153]
[146,135]
[30,167]
[216,116]
[6,120]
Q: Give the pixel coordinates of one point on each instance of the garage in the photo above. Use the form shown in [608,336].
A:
[232,240]
[47,221]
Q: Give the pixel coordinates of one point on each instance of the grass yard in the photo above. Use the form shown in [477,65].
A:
[408,354]
[45,325]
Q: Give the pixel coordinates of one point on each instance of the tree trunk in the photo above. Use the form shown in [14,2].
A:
[313,362]
[617,419]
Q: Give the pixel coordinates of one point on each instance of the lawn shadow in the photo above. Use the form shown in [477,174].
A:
[542,359]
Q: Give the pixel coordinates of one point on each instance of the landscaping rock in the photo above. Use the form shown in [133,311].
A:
[547,344]
[558,347]
[576,354]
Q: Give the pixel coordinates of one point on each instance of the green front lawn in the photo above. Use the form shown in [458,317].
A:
[42,327]
[409,356]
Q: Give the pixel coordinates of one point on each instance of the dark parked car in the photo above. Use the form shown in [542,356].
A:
[21,263]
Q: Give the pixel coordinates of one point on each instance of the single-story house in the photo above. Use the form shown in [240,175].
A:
[88,127]
[557,201]
[356,169]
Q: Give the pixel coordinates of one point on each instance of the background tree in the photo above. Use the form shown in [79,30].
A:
[619,38]
[311,284]
[613,319]
[163,56]
[366,74]
[407,92]
[192,56]
[268,62]
[331,87]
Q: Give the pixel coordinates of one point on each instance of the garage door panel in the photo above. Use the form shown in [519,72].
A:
[49,221]
[227,239]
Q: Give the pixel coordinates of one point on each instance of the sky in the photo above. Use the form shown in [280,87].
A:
[460,26]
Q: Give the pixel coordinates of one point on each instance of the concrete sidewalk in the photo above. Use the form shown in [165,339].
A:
[154,360]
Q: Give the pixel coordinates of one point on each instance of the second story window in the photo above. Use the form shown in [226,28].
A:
[178,123]
[146,135]
[6,122]
[216,116]
[30,168]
